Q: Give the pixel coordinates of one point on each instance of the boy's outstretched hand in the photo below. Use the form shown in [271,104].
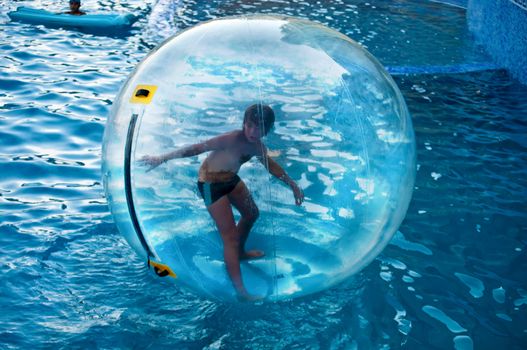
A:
[299,194]
[151,162]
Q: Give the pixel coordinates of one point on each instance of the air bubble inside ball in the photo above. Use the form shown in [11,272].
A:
[342,132]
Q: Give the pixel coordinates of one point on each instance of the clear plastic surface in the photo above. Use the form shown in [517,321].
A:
[342,132]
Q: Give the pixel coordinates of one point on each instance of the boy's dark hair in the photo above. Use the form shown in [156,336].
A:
[261,115]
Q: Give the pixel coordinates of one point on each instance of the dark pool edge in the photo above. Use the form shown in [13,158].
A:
[442,69]
[457,3]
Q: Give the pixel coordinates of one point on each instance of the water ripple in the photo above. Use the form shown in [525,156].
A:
[455,278]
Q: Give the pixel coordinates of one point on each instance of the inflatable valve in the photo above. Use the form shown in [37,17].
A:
[161,270]
[143,94]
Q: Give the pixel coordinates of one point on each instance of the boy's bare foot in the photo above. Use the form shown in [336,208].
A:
[252,254]
[249,297]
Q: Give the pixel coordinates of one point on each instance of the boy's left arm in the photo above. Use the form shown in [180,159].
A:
[276,170]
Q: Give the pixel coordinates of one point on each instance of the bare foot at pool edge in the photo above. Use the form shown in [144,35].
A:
[252,255]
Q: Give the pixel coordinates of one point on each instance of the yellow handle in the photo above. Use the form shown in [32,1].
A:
[143,94]
[162,269]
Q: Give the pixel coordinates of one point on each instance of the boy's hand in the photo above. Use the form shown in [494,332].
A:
[151,161]
[299,194]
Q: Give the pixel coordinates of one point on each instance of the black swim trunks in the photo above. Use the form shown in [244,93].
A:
[212,191]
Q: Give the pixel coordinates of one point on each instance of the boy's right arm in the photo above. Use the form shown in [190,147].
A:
[187,151]
[212,144]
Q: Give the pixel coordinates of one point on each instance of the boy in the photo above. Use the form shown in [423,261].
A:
[75,6]
[221,187]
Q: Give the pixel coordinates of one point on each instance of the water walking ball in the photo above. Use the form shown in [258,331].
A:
[342,132]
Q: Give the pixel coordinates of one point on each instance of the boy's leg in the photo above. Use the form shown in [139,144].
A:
[221,212]
[242,200]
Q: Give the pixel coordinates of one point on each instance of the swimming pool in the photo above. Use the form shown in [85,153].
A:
[454,275]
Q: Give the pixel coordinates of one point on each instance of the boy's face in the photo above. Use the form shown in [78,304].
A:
[252,131]
[74,6]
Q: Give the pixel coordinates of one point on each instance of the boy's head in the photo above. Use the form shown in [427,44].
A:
[260,115]
[75,4]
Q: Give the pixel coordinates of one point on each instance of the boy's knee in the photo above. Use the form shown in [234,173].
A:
[232,237]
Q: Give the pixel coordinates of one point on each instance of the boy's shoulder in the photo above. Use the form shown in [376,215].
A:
[234,135]
[226,139]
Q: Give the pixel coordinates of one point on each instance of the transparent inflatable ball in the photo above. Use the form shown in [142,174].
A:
[341,134]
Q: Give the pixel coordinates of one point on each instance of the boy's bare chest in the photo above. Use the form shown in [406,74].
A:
[239,154]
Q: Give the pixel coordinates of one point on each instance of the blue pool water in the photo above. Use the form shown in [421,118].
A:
[453,277]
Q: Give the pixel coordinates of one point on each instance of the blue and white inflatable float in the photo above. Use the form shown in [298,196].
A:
[108,21]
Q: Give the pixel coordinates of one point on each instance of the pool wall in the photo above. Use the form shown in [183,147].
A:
[501,27]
